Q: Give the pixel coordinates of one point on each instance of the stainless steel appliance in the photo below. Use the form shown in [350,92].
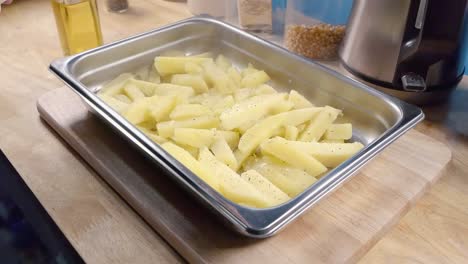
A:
[413,47]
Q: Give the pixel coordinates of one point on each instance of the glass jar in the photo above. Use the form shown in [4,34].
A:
[77,25]
[255,15]
[316,28]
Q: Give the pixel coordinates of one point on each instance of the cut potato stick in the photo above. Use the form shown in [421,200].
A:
[290,180]
[250,110]
[317,127]
[192,164]
[223,63]
[114,103]
[194,137]
[173,65]
[255,79]
[166,129]
[282,149]
[231,137]
[162,107]
[123,98]
[163,89]
[116,85]
[223,152]
[290,132]
[192,80]
[138,111]
[339,131]
[133,92]
[263,130]
[231,185]
[298,100]
[184,111]
[275,195]
[152,135]
[147,88]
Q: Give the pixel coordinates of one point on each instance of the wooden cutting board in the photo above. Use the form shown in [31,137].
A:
[340,228]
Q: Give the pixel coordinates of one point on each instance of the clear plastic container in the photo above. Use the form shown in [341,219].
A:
[316,28]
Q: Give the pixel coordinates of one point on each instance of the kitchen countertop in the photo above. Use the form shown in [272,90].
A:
[434,231]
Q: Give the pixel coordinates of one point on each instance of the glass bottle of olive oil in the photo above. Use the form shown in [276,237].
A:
[77,25]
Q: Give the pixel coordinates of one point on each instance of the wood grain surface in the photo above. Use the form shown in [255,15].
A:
[339,229]
[434,231]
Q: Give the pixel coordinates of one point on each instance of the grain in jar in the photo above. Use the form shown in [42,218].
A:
[318,41]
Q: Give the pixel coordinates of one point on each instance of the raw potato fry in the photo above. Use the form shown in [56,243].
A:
[223,104]
[231,137]
[223,63]
[184,111]
[123,98]
[241,157]
[172,89]
[163,106]
[282,149]
[235,76]
[339,131]
[259,133]
[242,94]
[173,65]
[290,180]
[194,137]
[264,186]
[291,132]
[248,70]
[152,135]
[223,152]
[282,106]
[254,145]
[117,105]
[133,92]
[153,75]
[137,112]
[265,89]
[300,116]
[218,78]
[317,127]
[146,87]
[298,100]
[193,68]
[116,86]
[192,164]
[255,79]
[166,129]
[192,80]
[231,185]
[252,109]
[330,154]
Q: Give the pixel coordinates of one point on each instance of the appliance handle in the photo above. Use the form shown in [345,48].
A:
[411,44]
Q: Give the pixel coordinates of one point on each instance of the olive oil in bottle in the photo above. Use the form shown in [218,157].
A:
[77,25]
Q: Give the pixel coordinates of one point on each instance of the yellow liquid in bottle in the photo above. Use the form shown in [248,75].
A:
[77,24]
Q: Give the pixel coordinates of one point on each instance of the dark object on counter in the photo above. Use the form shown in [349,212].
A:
[413,48]
[117,6]
[27,233]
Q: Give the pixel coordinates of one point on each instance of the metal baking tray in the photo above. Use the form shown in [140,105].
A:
[378,119]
